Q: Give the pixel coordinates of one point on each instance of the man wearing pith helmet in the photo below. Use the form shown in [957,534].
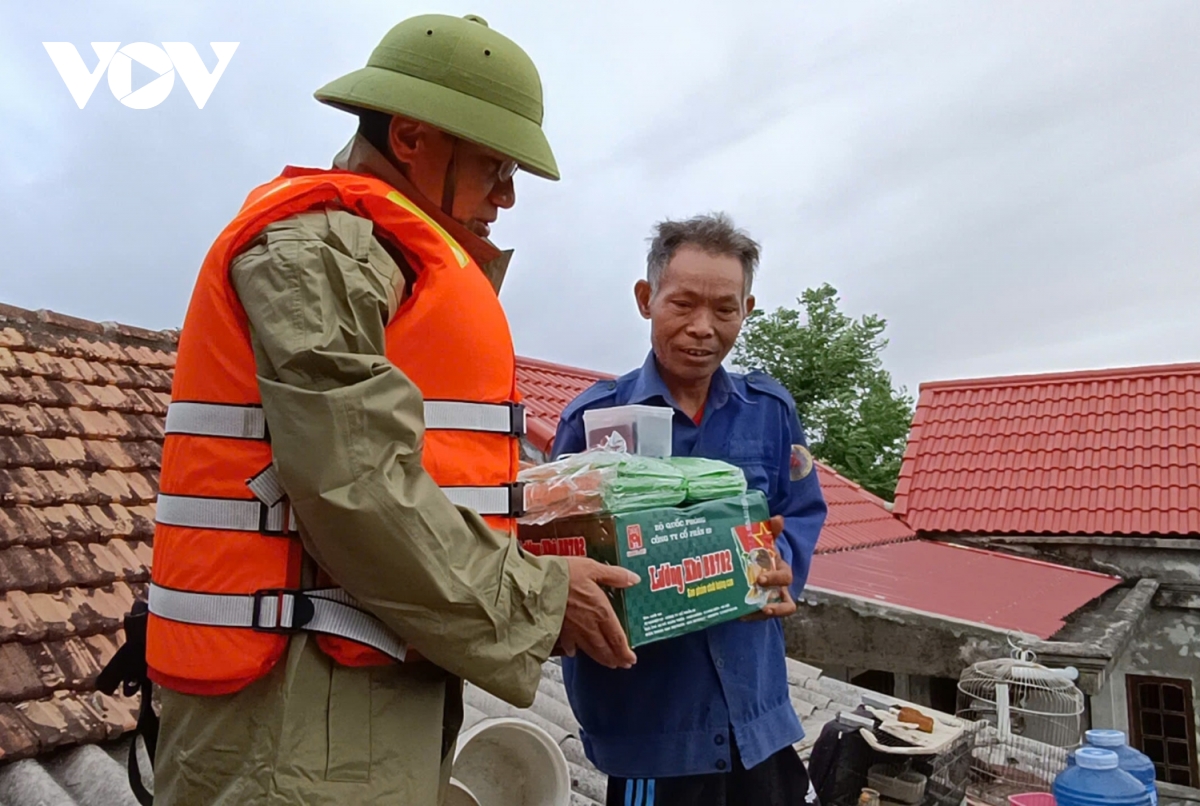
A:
[334,551]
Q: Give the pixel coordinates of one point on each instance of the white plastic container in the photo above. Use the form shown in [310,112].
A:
[646,430]
[459,795]
[505,761]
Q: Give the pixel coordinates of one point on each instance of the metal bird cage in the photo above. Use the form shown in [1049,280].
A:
[1030,717]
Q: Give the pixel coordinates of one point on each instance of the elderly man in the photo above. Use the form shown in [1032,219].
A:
[706,718]
[334,549]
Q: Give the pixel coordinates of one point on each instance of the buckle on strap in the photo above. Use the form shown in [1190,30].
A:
[329,611]
[277,520]
[516,499]
[281,610]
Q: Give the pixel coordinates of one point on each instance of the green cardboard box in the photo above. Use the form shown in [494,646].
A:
[696,563]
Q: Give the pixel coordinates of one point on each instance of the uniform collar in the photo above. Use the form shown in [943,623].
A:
[649,385]
[360,156]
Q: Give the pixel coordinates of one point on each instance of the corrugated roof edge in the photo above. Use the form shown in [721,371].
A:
[1037,379]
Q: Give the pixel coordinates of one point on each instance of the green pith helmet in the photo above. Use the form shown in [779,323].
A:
[458,75]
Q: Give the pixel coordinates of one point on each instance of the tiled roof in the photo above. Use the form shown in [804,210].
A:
[547,389]
[81,408]
[943,579]
[94,775]
[856,517]
[1109,452]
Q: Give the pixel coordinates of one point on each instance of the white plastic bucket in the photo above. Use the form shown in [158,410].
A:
[459,795]
[511,762]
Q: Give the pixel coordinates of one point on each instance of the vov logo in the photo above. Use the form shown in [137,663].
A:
[172,57]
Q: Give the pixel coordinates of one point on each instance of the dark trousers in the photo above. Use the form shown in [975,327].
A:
[781,780]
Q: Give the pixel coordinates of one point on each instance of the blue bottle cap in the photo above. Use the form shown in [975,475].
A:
[1105,738]
[1095,758]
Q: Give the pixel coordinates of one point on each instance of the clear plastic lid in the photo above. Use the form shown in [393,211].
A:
[1095,758]
[1105,738]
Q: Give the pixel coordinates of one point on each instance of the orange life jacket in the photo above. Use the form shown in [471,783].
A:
[226,570]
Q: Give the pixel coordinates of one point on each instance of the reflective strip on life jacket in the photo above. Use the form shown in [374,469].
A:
[252,515]
[216,420]
[327,611]
[248,422]
[226,514]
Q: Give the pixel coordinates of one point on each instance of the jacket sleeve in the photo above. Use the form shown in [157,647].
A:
[799,500]
[346,431]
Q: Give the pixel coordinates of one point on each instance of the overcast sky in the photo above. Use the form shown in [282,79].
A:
[1015,187]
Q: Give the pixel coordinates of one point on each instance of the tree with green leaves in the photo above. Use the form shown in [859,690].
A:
[856,420]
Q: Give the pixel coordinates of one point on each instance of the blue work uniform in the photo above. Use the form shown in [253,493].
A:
[675,712]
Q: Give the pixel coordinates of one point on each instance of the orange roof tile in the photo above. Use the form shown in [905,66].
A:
[1105,452]
[81,406]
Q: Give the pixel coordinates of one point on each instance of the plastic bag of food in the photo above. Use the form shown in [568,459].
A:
[602,479]
[709,479]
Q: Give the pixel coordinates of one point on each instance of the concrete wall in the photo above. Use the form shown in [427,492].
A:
[1168,645]
[833,631]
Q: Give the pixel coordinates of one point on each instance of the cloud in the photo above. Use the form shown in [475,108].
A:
[1013,187]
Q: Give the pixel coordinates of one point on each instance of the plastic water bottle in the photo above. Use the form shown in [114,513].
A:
[1132,761]
[1096,780]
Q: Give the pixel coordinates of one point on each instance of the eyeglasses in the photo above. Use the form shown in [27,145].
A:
[505,169]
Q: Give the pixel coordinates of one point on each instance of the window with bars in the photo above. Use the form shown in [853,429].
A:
[1162,724]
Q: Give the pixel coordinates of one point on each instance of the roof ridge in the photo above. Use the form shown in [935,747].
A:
[1046,378]
[539,363]
[875,499]
[43,319]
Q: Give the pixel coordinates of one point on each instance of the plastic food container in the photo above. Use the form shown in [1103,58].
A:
[646,430]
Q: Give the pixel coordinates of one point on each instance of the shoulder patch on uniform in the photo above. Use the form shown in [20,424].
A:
[801,463]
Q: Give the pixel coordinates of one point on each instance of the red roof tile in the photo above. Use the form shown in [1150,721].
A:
[547,389]
[81,407]
[943,579]
[856,517]
[1107,452]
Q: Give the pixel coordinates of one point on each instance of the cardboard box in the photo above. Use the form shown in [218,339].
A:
[697,564]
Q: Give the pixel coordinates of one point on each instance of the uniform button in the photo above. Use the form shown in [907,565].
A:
[719,739]
[721,764]
[720,663]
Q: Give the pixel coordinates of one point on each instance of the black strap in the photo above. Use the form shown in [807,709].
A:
[127,669]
